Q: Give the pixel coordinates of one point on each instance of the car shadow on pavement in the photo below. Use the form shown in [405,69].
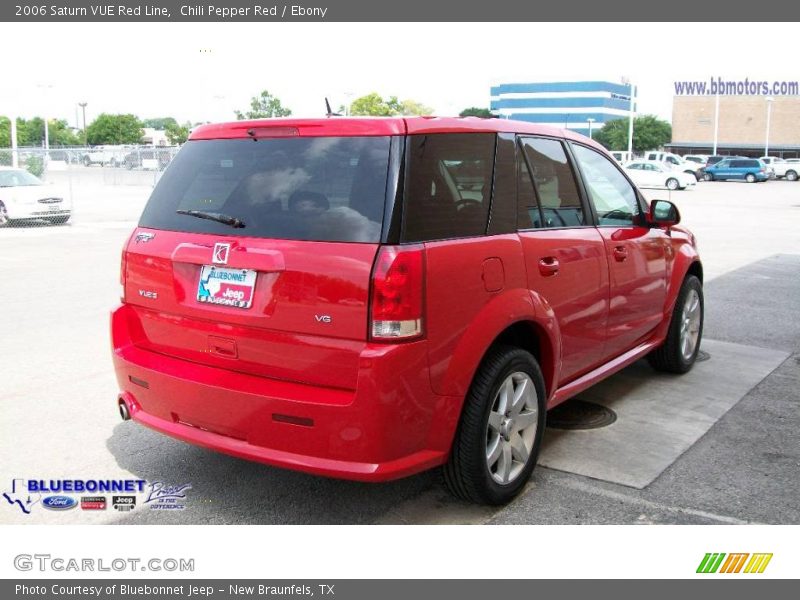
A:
[227,490]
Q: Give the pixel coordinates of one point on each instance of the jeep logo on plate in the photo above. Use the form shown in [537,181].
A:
[221,252]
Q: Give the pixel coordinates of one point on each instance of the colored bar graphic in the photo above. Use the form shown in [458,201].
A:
[758,563]
[734,562]
[710,562]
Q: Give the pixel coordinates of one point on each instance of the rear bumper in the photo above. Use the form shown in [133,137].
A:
[391,426]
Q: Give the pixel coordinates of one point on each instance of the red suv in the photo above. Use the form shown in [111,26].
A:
[370,298]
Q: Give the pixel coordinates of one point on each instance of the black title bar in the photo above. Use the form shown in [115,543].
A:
[398,11]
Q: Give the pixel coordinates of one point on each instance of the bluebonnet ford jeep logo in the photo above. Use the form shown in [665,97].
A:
[59,502]
[63,494]
[167,497]
[57,494]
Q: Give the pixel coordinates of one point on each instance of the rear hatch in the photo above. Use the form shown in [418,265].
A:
[254,253]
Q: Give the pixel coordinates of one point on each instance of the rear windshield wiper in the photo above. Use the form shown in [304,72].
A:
[213,216]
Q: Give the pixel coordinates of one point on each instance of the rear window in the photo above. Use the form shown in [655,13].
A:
[321,188]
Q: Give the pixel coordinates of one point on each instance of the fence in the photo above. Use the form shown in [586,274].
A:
[85,179]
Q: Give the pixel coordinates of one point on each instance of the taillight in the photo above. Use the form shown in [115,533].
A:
[123,269]
[398,282]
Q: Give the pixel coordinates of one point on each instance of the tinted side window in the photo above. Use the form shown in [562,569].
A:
[529,216]
[448,185]
[554,182]
[738,164]
[613,197]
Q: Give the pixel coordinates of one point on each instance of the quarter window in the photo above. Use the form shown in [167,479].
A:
[448,185]
[613,197]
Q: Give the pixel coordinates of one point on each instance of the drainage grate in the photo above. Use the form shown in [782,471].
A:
[701,356]
[580,414]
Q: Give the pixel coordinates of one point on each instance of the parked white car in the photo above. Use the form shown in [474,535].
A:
[655,174]
[24,196]
[781,168]
[673,161]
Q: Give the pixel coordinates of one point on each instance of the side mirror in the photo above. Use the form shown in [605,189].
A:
[664,213]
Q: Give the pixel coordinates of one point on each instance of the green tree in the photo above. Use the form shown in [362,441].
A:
[413,108]
[373,105]
[177,134]
[58,132]
[30,132]
[5,132]
[474,111]
[115,129]
[649,133]
[264,106]
[160,123]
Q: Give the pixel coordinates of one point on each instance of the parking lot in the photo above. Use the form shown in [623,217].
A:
[719,446]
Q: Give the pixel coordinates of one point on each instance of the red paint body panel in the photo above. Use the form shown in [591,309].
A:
[381,430]
[295,381]
[577,293]
[638,267]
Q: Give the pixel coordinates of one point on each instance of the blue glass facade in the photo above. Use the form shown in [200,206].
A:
[568,104]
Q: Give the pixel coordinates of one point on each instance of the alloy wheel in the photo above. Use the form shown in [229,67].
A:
[512,427]
[690,324]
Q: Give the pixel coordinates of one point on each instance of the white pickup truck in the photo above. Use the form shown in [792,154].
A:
[781,168]
[105,155]
[673,161]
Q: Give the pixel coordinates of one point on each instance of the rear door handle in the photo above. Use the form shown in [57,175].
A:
[620,253]
[548,266]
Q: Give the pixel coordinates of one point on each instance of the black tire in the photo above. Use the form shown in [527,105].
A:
[672,184]
[791,175]
[708,177]
[750,178]
[87,162]
[467,474]
[668,357]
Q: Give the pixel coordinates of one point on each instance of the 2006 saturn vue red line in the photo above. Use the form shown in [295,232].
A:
[370,298]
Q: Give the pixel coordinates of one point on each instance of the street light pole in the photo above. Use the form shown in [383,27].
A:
[716,125]
[591,124]
[46,87]
[14,153]
[83,108]
[769,100]
[630,121]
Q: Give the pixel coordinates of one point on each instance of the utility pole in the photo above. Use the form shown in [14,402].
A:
[83,108]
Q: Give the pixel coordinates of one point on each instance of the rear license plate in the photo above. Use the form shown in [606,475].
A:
[228,287]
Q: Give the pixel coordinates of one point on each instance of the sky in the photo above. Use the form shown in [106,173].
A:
[204,71]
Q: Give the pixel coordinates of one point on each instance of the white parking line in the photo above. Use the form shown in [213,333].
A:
[580,486]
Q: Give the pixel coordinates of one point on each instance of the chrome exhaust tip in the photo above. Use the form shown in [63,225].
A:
[123,410]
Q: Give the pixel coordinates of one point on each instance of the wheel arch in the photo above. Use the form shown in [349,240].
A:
[532,337]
